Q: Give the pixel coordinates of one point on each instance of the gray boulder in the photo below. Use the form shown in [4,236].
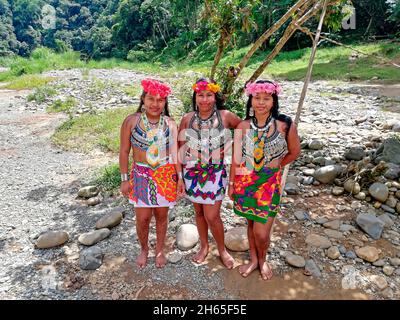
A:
[327,174]
[393,171]
[355,153]
[91,258]
[52,239]
[88,192]
[389,151]
[316,144]
[379,191]
[371,225]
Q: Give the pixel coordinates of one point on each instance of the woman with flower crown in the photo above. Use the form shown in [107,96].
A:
[153,184]
[204,139]
[265,142]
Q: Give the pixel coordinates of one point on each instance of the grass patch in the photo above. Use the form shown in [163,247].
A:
[331,63]
[41,94]
[334,64]
[28,82]
[96,86]
[133,91]
[91,131]
[63,106]
[109,178]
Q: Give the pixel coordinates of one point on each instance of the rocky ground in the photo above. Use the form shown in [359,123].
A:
[337,237]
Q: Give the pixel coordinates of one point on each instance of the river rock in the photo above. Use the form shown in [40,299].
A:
[90,258]
[379,191]
[88,192]
[318,241]
[312,268]
[236,239]
[368,253]
[327,174]
[187,236]
[393,171]
[337,191]
[52,239]
[110,220]
[389,151]
[370,224]
[355,153]
[352,186]
[295,260]
[333,253]
[335,224]
[90,238]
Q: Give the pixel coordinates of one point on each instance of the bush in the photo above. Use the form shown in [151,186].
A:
[138,56]
[63,106]
[109,178]
[41,93]
[41,53]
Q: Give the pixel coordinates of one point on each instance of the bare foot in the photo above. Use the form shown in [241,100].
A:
[266,271]
[227,259]
[141,260]
[200,256]
[161,261]
[246,269]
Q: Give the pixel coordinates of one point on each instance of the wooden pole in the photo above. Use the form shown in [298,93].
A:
[306,82]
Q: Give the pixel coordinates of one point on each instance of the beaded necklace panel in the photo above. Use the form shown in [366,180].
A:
[263,149]
[208,136]
[140,139]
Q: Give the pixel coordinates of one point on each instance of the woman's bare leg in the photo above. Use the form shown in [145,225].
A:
[246,269]
[202,228]
[262,240]
[161,215]
[213,217]
[143,217]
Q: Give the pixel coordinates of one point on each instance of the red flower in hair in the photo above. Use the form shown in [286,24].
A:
[155,87]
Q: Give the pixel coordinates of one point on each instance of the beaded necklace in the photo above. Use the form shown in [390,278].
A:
[266,148]
[156,140]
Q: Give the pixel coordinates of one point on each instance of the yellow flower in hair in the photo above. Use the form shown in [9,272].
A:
[213,87]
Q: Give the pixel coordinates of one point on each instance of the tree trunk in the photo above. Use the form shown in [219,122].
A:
[290,30]
[266,35]
[222,44]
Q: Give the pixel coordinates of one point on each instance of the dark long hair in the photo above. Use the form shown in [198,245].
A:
[139,110]
[219,100]
[274,111]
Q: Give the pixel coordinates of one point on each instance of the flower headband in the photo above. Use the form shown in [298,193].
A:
[204,85]
[252,88]
[155,87]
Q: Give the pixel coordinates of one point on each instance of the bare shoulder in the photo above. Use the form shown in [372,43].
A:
[130,119]
[186,117]
[282,126]
[244,124]
[170,121]
[227,113]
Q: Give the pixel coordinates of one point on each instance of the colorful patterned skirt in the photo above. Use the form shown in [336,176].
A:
[257,193]
[205,183]
[151,188]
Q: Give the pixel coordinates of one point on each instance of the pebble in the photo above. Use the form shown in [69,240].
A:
[318,241]
[295,260]
[368,253]
[333,253]
[388,270]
